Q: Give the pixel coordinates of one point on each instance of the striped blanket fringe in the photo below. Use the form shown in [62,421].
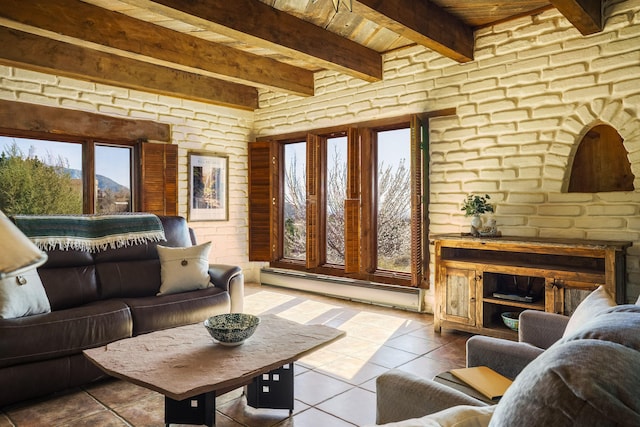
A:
[90,233]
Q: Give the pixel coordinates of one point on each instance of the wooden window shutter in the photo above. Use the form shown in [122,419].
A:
[314,200]
[158,185]
[263,230]
[368,187]
[352,204]
[417,270]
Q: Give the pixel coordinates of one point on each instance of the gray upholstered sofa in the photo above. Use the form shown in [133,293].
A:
[588,376]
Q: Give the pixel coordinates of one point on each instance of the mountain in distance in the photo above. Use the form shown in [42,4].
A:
[104,182]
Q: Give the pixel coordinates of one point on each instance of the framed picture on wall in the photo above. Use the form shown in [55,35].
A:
[208,187]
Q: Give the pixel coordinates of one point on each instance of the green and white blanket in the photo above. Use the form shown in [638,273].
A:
[90,233]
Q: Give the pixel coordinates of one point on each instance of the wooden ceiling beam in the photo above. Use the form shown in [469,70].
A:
[423,22]
[83,24]
[258,24]
[585,15]
[38,53]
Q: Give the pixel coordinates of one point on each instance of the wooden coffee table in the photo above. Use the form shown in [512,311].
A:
[190,369]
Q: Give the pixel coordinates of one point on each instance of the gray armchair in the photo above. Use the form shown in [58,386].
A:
[538,330]
[589,377]
[401,395]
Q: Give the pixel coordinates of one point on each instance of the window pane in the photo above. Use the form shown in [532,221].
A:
[113,179]
[40,177]
[394,200]
[295,205]
[336,193]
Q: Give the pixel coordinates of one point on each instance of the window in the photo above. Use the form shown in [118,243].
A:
[393,200]
[100,144]
[114,192]
[47,177]
[336,192]
[343,202]
[295,205]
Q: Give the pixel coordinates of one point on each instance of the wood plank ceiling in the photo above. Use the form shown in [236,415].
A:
[222,52]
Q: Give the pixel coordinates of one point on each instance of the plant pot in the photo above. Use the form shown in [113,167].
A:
[476,224]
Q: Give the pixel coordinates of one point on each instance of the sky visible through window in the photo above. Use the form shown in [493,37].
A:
[388,151]
[114,163]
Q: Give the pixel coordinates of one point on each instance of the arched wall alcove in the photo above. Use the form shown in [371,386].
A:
[623,117]
[601,162]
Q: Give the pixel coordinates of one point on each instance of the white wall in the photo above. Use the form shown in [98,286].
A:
[194,126]
[522,106]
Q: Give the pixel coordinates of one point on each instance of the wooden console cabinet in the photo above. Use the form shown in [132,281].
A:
[477,279]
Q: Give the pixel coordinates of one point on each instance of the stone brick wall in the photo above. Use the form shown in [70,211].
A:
[523,105]
[194,126]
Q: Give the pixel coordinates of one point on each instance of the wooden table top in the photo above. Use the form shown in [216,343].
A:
[184,362]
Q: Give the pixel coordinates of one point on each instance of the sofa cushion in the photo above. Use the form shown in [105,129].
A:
[184,269]
[168,311]
[584,382]
[619,324]
[63,332]
[69,287]
[597,301]
[127,279]
[22,295]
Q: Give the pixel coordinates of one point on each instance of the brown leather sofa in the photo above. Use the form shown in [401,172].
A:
[98,298]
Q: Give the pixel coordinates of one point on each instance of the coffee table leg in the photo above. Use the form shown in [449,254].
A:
[200,409]
[273,389]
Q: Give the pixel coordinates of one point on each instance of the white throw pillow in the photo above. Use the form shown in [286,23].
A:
[456,416]
[596,302]
[23,295]
[184,269]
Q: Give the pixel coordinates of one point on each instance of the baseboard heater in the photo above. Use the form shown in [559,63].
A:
[401,297]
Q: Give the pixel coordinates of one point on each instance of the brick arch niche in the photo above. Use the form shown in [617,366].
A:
[601,162]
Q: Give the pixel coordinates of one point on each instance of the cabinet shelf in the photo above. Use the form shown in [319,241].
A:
[526,305]
[469,270]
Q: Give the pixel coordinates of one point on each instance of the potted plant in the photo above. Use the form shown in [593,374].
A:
[475,206]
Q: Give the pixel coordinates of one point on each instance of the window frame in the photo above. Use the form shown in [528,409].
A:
[88,162]
[155,170]
[362,175]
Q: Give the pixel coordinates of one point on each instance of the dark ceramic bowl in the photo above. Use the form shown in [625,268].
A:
[231,329]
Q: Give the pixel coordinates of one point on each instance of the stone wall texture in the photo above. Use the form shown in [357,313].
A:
[535,86]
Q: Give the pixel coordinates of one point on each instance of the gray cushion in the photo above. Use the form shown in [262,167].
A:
[620,324]
[595,303]
[583,382]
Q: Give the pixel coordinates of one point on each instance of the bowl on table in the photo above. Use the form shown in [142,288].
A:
[510,319]
[231,329]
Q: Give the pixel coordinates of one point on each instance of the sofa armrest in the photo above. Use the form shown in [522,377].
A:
[503,356]
[231,279]
[541,329]
[401,395]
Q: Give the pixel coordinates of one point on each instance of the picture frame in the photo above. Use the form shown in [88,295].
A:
[208,187]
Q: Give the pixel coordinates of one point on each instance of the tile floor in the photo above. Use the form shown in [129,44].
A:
[334,387]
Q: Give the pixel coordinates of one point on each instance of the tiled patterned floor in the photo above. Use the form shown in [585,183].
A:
[334,386]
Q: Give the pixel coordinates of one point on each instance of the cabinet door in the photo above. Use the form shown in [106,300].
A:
[459,295]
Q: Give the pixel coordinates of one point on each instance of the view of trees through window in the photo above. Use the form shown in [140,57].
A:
[113,179]
[393,200]
[336,193]
[295,203]
[46,177]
